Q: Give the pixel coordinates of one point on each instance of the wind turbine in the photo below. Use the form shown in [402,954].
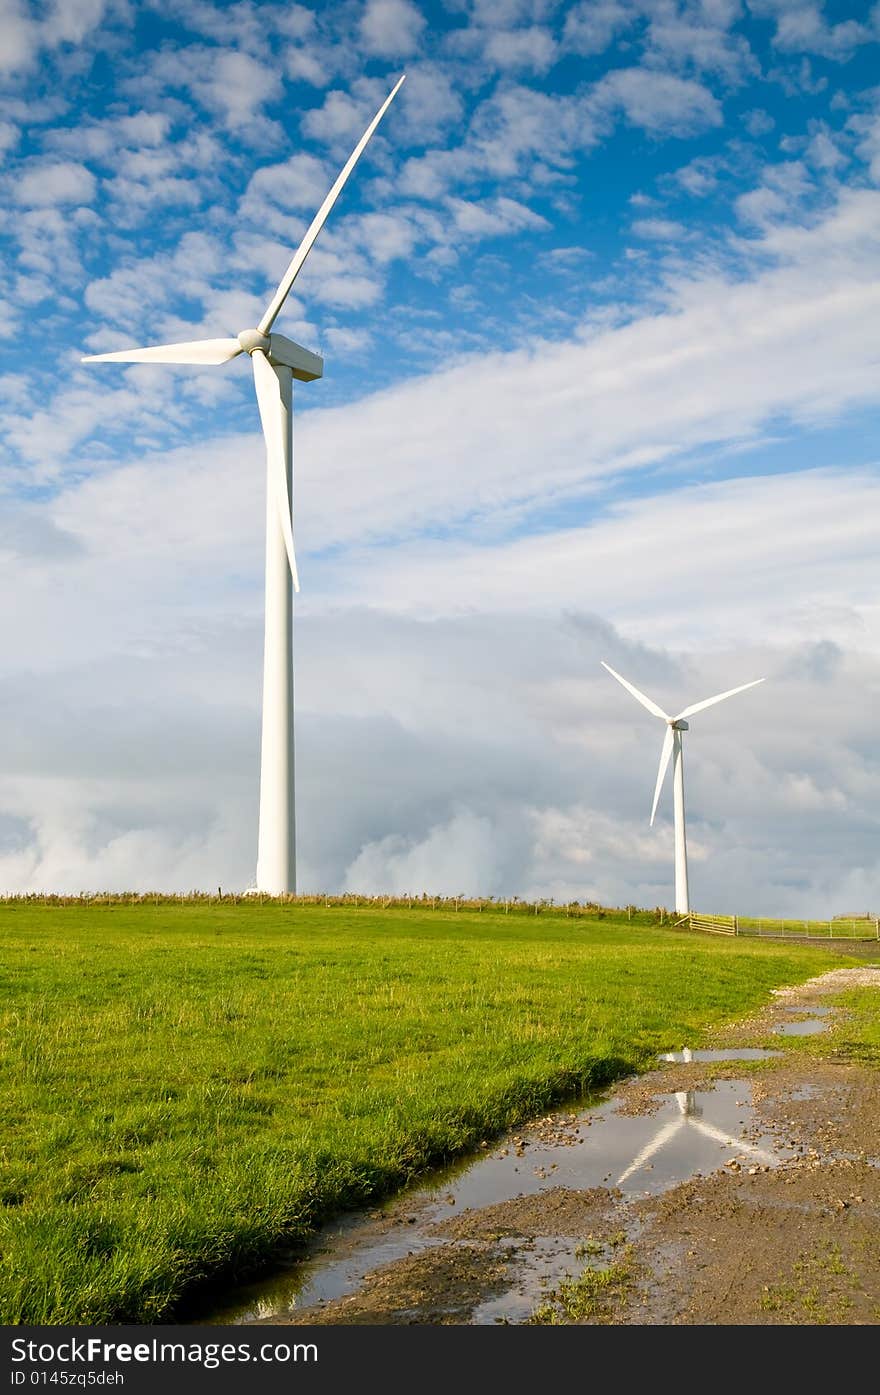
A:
[672,747]
[276,362]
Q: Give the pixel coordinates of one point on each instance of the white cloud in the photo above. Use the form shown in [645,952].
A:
[532,49]
[521,132]
[801,27]
[25,35]
[304,65]
[237,86]
[824,153]
[867,127]
[345,114]
[107,138]
[700,176]
[391,28]
[659,229]
[493,219]
[682,35]
[780,194]
[300,183]
[462,853]
[69,21]
[431,104]
[230,83]
[766,533]
[515,132]
[658,101]
[47,184]
[9,136]
[385,237]
[692,40]
[20,37]
[592,25]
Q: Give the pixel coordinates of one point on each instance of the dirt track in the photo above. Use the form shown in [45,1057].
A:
[794,1242]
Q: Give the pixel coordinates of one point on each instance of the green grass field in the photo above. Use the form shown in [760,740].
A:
[188,1086]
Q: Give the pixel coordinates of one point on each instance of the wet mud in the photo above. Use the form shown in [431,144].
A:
[705,1192]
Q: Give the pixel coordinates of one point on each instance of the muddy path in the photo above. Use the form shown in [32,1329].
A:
[736,1184]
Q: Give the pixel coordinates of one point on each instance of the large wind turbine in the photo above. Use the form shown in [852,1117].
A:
[672,748]
[276,362]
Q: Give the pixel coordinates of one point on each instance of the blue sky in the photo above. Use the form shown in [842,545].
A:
[598,310]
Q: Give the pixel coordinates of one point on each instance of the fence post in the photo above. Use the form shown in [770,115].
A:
[736,925]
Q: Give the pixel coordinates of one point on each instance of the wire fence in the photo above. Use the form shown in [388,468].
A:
[489,905]
[860,927]
[855,927]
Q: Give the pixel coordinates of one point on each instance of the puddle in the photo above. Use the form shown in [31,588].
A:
[808,1028]
[737,1053]
[690,1134]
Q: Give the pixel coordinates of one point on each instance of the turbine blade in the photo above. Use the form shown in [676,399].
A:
[202,351]
[728,1141]
[719,697]
[321,216]
[271,407]
[640,697]
[662,1136]
[665,756]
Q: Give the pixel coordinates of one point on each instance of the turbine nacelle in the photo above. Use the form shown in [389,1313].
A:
[677,724]
[303,364]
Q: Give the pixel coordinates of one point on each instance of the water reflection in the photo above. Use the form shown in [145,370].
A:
[689,1116]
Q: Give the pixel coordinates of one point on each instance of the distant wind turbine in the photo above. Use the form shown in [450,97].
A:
[276,362]
[672,746]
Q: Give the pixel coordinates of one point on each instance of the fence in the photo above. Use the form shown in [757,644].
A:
[714,924]
[858,927]
[580,910]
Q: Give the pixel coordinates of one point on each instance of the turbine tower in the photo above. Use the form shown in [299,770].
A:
[276,362]
[672,749]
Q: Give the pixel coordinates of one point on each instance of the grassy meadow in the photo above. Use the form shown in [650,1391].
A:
[188,1086]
